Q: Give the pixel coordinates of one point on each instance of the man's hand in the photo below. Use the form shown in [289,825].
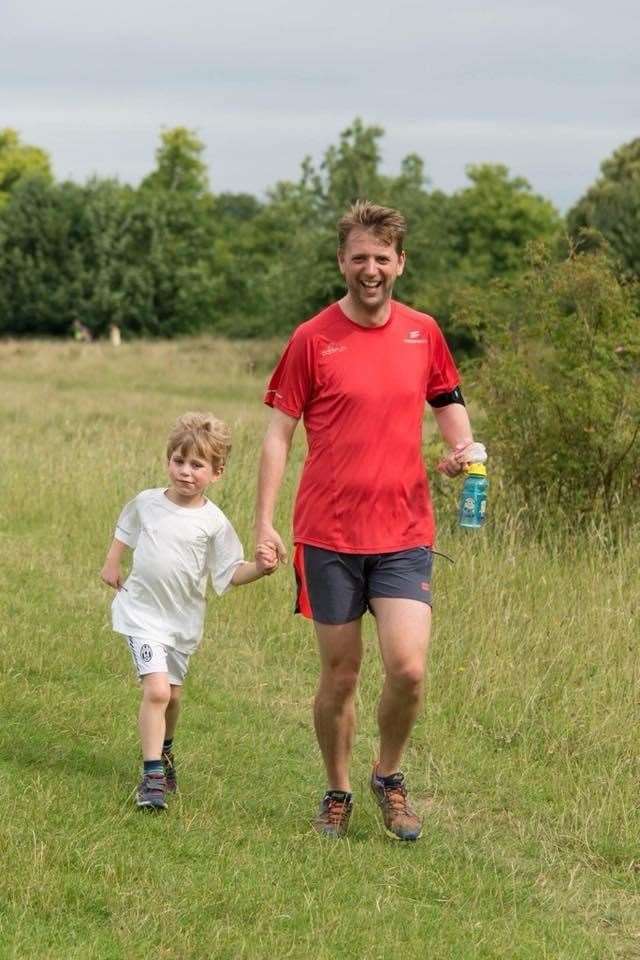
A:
[453,464]
[111,575]
[266,559]
[266,534]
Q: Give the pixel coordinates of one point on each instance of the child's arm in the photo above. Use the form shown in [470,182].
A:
[265,564]
[111,572]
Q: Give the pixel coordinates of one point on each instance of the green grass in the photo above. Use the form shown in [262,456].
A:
[524,761]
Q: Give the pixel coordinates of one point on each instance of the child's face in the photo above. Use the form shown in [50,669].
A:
[190,475]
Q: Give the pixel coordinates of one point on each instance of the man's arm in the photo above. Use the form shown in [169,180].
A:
[455,428]
[273,460]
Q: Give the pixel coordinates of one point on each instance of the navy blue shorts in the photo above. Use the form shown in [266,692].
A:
[337,587]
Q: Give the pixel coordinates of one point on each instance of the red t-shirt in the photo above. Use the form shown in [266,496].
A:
[361,391]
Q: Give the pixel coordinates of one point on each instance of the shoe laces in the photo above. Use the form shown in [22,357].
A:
[336,809]
[396,796]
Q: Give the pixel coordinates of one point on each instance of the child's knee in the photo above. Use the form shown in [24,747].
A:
[156,689]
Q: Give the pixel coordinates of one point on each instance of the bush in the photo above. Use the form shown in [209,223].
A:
[560,384]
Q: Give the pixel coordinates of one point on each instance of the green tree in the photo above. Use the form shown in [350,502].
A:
[40,265]
[612,207]
[179,164]
[495,218]
[18,162]
[350,170]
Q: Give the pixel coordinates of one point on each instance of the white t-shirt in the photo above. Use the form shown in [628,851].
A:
[175,549]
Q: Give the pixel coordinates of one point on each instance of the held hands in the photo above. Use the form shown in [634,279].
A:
[266,558]
[111,575]
[266,534]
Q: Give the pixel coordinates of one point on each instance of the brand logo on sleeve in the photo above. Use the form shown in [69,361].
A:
[332,348]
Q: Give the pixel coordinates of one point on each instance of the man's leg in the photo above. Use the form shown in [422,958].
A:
[403,633]
[340,648]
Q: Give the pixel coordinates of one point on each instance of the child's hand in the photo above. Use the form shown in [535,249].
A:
[266,559]
[112,575]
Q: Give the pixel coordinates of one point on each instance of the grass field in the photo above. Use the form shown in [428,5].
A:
[524,761]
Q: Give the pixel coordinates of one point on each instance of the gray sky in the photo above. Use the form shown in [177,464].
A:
[549,89]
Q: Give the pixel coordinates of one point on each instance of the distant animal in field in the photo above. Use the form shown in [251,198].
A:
[81,333]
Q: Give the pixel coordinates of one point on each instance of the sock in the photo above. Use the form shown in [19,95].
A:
[166,746]
[392,779]
[153,766]
[339,795]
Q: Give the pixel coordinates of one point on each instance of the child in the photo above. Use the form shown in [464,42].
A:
[179,539]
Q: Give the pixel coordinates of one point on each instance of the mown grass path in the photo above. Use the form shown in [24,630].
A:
[524,762]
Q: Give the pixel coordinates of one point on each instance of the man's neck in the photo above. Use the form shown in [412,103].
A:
[365,318]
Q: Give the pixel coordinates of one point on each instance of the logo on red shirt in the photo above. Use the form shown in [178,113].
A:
[332,348]
[415,336]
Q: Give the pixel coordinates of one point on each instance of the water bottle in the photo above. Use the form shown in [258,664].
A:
[473,499]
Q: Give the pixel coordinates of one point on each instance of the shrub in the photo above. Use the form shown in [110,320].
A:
[560,384]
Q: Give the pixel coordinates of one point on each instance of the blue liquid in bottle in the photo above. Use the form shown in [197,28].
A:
[473,499]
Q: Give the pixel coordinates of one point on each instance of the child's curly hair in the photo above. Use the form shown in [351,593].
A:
[202,434]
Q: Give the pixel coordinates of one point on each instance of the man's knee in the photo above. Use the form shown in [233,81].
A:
[339,682]
[407,677]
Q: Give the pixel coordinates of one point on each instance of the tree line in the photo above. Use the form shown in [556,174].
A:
[544,307]
[173,257]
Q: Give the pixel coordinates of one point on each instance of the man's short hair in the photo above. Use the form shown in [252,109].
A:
[202,434]
[386,224]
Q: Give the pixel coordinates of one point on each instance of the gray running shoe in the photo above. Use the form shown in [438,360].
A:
[170,776]
[151,792]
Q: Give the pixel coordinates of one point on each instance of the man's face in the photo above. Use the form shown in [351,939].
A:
[369,268]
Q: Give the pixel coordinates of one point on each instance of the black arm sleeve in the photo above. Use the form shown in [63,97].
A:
[444,399]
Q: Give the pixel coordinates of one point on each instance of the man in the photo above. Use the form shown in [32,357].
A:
[359,374]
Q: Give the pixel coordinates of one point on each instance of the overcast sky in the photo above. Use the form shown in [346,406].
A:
[549,89]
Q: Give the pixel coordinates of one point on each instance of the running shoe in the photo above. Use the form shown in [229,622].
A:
[151,792]
[332,818]
[400,821]
[170,776]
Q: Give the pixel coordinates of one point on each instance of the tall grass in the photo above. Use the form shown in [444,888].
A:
[524,761]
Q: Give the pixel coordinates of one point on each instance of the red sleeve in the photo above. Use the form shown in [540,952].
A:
[291,383]
[443,375]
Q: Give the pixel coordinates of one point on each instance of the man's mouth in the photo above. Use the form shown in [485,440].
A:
[371,284]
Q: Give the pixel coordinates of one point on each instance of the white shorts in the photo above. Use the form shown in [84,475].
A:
[151,656]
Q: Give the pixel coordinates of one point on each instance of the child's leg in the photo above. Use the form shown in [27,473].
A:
[173,711]
[156,694]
